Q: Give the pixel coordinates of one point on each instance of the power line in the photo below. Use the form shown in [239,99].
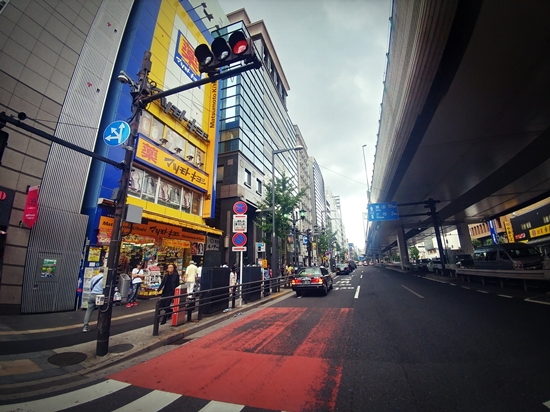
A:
[349,178]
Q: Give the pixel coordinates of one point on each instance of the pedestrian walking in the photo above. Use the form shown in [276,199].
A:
[96,288]
[168,285]
[191,272]
[137,278]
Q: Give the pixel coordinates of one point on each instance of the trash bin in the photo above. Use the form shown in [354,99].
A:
[124,285]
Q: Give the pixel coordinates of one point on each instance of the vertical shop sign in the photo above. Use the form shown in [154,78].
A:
[30,214]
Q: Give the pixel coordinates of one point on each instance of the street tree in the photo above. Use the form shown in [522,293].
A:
[287,200]
[414,253]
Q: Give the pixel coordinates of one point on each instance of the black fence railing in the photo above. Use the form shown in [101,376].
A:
[215,300]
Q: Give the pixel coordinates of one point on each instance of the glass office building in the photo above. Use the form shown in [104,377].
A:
[253,123]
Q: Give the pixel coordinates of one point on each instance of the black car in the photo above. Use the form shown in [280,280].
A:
[313,278]
[342,269]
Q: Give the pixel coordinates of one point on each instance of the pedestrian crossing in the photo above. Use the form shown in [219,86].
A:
[115,396]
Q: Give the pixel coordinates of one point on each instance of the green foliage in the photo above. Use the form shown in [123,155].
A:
[476,243]
[286,202]
[414,253]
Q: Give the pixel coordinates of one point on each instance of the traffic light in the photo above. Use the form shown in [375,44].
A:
[223,53]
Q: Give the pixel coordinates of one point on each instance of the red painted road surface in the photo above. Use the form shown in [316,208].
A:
[287,359]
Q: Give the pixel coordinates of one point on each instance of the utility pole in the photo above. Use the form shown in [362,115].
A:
[139,90]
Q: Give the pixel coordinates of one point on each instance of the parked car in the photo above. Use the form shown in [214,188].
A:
[464,261]
[507,256]
[422,264]
[342,269]
[311,279]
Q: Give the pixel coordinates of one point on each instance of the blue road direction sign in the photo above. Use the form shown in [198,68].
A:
[116,133]
[383,211]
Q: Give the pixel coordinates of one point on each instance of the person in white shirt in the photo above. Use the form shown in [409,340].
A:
[190,274]
[137,278]
[96,288]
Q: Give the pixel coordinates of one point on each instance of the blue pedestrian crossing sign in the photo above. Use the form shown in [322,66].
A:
[383,211]
[116,133]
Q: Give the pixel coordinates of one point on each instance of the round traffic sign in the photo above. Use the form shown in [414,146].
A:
[239,239]
[116,133]
[240,208]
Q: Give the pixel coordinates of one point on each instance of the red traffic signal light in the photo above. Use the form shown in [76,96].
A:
[223,53]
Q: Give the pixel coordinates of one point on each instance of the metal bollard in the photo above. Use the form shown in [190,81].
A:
[156,319]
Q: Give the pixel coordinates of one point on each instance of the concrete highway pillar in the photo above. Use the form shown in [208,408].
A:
[464,238]
[402,245]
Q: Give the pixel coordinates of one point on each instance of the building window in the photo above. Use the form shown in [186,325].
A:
[154,189]
[258,186]
[219,173]
[248,178]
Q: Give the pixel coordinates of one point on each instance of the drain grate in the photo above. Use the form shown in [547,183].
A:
[67,358]
[123,347]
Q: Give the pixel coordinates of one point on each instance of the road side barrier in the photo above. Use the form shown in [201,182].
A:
[523,275]
[205,301]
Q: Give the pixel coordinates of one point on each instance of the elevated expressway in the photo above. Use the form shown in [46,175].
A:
[465,114]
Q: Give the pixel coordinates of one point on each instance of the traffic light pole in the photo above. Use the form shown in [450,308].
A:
[140,99]
[105,314]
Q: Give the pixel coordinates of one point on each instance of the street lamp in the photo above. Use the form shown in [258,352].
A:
[295,217]
[274,257]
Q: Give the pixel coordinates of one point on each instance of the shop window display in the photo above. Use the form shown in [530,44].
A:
[196,205]
[149,190]
[136,182]
[145,124]
[157,131]
[150,187]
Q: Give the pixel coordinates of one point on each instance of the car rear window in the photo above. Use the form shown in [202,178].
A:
[310,273]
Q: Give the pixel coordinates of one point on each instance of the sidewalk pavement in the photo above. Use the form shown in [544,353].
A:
[22,371]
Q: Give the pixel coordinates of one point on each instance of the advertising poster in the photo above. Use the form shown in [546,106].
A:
[48,268]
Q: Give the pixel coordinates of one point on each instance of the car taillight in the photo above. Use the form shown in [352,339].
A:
[317,280]
[296,281]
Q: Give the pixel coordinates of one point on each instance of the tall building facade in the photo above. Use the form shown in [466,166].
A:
[59,65]
[253,123]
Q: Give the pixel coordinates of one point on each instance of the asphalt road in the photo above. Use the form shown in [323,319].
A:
[380,341]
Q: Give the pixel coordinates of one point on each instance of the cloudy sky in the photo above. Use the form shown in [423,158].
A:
[333,54]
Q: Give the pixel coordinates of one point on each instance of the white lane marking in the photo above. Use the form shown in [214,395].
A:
[547,404]
[452,284]
[482,291]
[215,406]
[465,287]
[413,292]
[70,399]
[361,277]
[435,280]
[536,301]
[386,275]
[505,296]
[357,292]
[153,401]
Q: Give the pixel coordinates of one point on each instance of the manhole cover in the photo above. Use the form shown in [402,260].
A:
[67,358]
[123,347]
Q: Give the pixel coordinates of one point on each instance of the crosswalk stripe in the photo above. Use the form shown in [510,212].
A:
[153,401]
[70,399]
[215,406]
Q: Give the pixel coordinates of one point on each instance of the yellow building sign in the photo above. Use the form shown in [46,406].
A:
[154,156]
